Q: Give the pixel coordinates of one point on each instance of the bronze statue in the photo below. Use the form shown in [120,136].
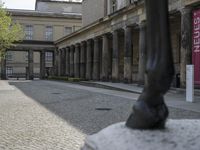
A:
[150,111]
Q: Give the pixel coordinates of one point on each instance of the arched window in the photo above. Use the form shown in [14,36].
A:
[113,5]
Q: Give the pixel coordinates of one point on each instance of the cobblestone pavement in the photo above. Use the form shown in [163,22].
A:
[47,115]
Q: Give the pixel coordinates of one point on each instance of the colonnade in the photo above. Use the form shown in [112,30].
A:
[98,58]
[30,71]
[94,60]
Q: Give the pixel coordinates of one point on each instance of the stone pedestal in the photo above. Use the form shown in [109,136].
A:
[89,60]
[105,59]
[142,52]
[178,135]
[186,42]
[115,57]
[30,65]
[96,61]
[128,55]
[42,64]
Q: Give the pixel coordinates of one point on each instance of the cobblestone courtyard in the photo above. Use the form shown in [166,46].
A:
[48,115]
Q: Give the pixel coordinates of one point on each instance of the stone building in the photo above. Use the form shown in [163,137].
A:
[111,44]
[51,20]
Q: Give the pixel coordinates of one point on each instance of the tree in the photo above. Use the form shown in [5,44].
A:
[10,31]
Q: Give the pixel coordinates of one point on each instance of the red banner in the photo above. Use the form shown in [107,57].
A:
[196,46]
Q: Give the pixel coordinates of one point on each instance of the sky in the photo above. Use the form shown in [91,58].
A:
[20,4]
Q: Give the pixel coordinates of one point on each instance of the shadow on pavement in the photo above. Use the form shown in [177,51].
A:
[85,110]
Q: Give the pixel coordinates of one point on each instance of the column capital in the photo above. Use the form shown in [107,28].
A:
[96,39]
[105,35]
[72,47]
[115,32]
[67,48]
[142,24]
[42,51]
[127,27]
[186,10]
[89,41]
[77,45]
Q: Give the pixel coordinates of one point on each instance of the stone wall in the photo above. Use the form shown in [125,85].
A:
[92,10]
[58,7]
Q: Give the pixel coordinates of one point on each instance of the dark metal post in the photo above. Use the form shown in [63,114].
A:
[30,65]
[150,111]
[3,68]
[42,64]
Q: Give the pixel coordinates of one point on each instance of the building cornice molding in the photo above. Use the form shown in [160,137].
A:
[33,13]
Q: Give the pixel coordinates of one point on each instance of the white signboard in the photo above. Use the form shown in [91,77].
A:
[190,83]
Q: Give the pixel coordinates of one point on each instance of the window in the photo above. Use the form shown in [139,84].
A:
[9,70]
[132,1]
[49,56]
[28,32]
[49,33]
[68,30]
[76,28]
[8,56]
[26,56]
[113,5]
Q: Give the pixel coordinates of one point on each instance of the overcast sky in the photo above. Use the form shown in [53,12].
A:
[20,4]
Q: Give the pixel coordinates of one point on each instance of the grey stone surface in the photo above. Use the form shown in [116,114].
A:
[179,135]
[51,115]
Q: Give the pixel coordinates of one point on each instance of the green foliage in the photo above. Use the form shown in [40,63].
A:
[62,78]
[58,78]
[10,31]
[74,79]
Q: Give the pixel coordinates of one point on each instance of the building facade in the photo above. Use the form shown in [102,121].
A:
[111,44]
[34,56]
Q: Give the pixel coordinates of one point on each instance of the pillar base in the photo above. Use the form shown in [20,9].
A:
[127,81]
[104,79]
[115,80]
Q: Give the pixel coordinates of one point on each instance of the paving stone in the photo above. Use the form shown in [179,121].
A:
[32,117]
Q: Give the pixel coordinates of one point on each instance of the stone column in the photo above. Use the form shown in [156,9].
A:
[72,61]
[82,61]
[142,52]
[89,60]
[3,68]
[186,42]
[63,61]
[77,61]
[30,65]
[55,62]
[42,65]
[105,59]
[58,54]
[115,57]
[59,62]
[96,60]
[128,55]
[67,61]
